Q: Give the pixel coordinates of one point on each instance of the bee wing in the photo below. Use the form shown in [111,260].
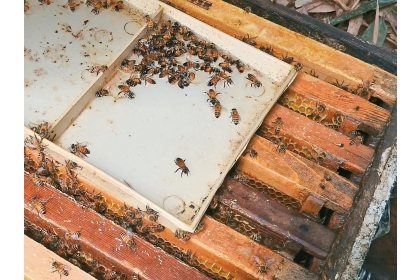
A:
[66,267]
[258,260]
[269,262]
[130,232]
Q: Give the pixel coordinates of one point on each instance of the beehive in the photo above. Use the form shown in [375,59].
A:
[304,167]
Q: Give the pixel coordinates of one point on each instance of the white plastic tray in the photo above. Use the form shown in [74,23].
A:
[137,140]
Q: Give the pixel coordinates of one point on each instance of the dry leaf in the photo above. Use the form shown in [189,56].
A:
[300,3]
[354,25]
[323,8]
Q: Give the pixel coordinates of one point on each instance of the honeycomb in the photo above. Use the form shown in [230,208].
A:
[301,148]
[313,110]
[267,190]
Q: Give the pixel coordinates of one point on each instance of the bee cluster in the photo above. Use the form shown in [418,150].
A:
[173,52]
[101,4]
[44,130]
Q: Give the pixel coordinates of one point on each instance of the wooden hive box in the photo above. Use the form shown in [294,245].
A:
[301,202]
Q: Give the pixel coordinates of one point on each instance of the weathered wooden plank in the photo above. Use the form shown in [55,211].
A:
[330,65]
[314,141]
[271,220]
[64,214]
[324,33]
[296,176]
[38,263]
[307,93]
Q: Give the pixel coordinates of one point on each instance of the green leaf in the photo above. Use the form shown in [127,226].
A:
[361,10]
[381,34]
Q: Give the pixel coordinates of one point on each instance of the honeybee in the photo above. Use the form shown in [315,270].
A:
[357,139]
[225,65]
[226,79]
[39,204]
[214,80]
[278,123]
[212,96]
[79,150]
[255,82]
[127,92]
[297,66]
[267,49]
[71,5]
[153,214]
[154,228]
[60,268]
[263,264]
[181,166]
[133,81]
[181,234]
[199,227]
[341,85]
[98,68]
[71,235]
[47,2]
[253,153]
[217,107]
[102,92]
[97,4]
[26,7]
[364,87]
[249,40]
[287,59]
[117,6]
[281,147]
[34,143]
[235,116]
[240,66]
[151,25]
[127,239]
[214,203]
[312,73]
[148,80]
[127,66]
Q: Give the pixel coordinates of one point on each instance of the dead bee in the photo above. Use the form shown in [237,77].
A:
[253,153]
[181,166]
[79,150]
[181,234]
[101,92]
[341,85]
[127,92]
[254,81]
[263,264]
[39,204]
[287,59]
[98,68]
[235,116]
[126,238]
[68,235]
[71,5]
[60,268]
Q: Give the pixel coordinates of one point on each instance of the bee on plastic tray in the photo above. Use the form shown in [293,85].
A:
[254,81]
[46,2]
[214,80]
[181,166]
[39,204]
[127,92]
[235,116]
[68,235]
[117,6]
[134,80]
[181,234]
[127,66]
[60,268]
[212,94]
[79,150]
[102,92]
[226,79]
[97,4]
[217,107]
[98,68]
[263,264]
[240,66]
[151,25]
[71,5]
[126,238]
